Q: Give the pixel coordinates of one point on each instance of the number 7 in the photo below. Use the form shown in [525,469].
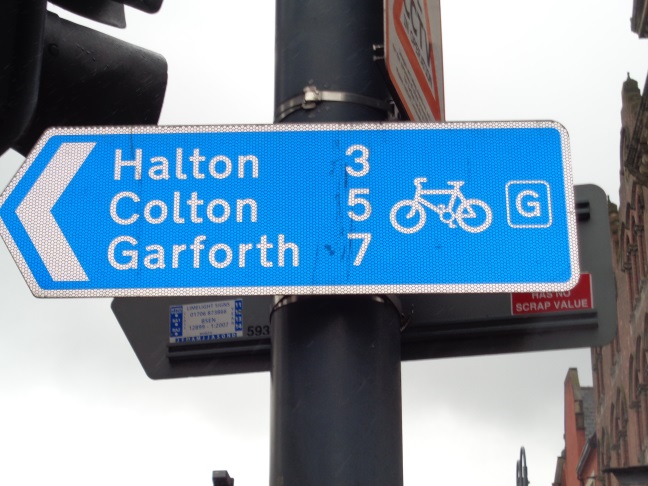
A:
[366,238]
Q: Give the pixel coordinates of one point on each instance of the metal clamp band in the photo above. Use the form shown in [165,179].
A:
[312,96]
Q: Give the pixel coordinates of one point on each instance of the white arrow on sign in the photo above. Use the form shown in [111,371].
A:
[35,213]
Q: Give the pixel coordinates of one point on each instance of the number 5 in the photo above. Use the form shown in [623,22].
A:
[354,200]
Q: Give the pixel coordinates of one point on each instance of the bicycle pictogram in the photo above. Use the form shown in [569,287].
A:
[472,215]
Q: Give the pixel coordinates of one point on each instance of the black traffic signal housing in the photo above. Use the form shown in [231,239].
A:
[56,73]
[110,12]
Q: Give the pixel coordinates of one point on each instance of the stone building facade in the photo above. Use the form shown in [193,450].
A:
[620,369]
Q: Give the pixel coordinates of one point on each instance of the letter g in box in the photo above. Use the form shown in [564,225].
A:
[528,204]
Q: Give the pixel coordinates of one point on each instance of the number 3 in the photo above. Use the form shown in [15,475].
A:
[363,159]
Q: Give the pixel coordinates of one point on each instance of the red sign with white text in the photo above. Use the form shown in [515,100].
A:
[414,57]
[578,298]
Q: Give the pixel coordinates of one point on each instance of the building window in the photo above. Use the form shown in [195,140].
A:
[635,395]
[615,459]
[606,451]
[635,261]
[623,432]
[640,233]
[642,377]
[597,354]
[629,266]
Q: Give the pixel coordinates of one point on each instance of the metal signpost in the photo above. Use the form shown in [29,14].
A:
[294,209]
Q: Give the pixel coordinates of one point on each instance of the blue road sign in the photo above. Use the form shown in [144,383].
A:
[295,209]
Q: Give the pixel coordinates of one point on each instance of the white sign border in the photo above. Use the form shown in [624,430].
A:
[37,291]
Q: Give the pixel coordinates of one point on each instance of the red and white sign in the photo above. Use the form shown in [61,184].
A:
[578,298]
[414,57]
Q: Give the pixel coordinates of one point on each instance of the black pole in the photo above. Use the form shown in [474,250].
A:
[336,392]
[329,45]
[336,382]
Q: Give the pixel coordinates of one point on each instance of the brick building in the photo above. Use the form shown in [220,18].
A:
[620,369]
[615,453]
[578,463]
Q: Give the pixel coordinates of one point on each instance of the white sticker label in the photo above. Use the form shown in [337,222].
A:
[206,321]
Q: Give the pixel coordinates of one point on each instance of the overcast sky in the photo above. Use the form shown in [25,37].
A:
[76,407]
